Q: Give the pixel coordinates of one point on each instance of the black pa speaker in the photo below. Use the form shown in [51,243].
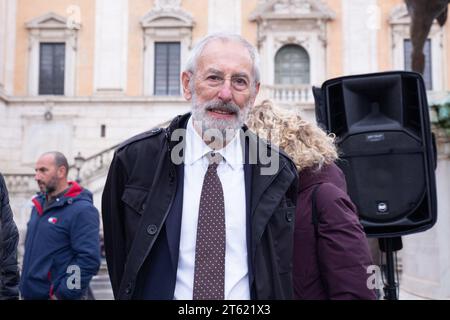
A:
[382,126]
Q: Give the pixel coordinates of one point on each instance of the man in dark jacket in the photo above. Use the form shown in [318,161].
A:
[204,218]
[62,247]
[9,237]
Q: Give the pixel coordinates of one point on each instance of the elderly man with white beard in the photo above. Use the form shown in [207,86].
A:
[190,211]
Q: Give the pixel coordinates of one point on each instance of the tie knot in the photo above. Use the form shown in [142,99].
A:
[214,159]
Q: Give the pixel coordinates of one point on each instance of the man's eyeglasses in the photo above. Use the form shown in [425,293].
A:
[239,82]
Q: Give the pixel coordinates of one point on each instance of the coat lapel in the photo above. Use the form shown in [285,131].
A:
[173,223]
[266,190]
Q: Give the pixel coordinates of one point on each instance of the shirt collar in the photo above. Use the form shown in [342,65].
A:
[196,148]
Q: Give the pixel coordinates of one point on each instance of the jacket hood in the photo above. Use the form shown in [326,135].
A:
[328,173]
[75,193]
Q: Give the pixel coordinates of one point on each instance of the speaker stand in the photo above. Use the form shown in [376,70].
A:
[389,245]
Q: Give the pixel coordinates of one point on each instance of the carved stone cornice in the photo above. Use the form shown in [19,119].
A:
[51,20]
[167,14]
[292,9]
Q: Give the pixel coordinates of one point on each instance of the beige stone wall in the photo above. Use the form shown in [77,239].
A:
[334,41]
[199,11]
[29,9]
[197,8]
[137,10]
[86,38]
[249,29]
[384,34]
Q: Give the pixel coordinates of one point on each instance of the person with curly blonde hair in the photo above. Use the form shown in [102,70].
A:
[331,254]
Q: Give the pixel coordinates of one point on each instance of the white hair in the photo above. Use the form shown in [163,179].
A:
[191,64]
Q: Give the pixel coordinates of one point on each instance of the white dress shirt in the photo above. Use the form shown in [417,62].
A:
[231,174]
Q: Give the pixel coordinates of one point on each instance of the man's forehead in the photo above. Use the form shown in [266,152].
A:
[221,73]
[45,160]
[225,58]
[214,47]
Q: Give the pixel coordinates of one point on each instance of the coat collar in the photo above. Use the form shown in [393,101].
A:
[73,191]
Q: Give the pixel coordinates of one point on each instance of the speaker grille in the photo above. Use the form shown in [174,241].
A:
[385,174]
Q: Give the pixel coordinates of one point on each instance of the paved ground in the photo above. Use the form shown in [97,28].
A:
[404,295]
[100,284]
[101,287]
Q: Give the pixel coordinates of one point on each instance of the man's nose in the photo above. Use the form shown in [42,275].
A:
[225,93]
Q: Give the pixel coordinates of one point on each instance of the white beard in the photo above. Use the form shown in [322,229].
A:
[200,116]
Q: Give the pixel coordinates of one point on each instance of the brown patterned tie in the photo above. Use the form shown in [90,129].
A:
[209,272]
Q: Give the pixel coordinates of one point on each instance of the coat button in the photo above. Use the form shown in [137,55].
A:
[289,216]
[143,207]
[69,201]
[151,229]
[128,289]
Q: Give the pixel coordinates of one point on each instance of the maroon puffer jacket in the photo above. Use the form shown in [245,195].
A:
[334,267]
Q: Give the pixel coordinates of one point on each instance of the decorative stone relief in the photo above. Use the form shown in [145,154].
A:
[167,4]
[277,29]
[292,6]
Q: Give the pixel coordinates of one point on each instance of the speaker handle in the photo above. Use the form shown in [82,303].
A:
[433,144]
[321,117]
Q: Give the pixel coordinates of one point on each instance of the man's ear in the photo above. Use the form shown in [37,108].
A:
[185,79]
[256,93]
[61,172]
[257,88]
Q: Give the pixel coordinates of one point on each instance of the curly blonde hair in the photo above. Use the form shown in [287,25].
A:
[307,144]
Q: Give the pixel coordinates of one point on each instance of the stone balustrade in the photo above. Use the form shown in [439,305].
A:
[288,93]
[21,183]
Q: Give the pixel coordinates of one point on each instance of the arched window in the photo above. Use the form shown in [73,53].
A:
[292,65]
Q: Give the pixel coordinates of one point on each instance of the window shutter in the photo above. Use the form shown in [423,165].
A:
[161,61]
[174,70]
[51,68]
[45,69]
[59,53]
[167,68]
